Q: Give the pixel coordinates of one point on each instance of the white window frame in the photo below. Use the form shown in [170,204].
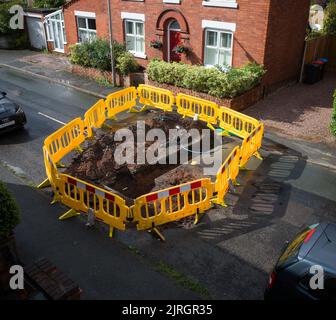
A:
[134,21]
[86,16]
[220,3]
[48,19]
[172,1]
[218,31]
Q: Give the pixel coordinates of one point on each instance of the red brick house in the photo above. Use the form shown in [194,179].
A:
[233,32]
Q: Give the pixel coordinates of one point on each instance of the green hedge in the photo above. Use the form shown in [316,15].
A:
[96,54]
[9,212]
[333,119]
[208,80]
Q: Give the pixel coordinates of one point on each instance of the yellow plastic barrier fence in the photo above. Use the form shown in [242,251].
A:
[236,122]
[120,101]
[197,109]
[251,145]
[80,196]
[51,171]
[66,139]
[95,117]
[172,204]
[227,174]
[156,97]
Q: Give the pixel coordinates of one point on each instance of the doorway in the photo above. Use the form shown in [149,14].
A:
[173,39]
[56,30]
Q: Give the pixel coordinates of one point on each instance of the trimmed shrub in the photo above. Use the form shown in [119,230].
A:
[333,117]
[9,212]
[329,24]
[96,54]
[213,81]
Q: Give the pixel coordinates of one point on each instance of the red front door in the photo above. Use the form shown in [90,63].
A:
[174,40]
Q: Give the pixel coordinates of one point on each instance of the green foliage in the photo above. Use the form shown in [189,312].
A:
[96,54]
[329,24]
[208,80]
[48,3]
[9,212]
[333,117]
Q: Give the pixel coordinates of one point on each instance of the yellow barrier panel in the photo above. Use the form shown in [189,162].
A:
[227,174]
[81,196]
[156,97]
[251,145]
[236,122]
[51,171]
[66,139]
[196,108]
[95,117]
[120,101]
[172,204]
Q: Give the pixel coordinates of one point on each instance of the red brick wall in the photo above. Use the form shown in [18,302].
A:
[285,40]
[99,7]
[268,31]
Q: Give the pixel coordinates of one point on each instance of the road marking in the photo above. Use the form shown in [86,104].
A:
[51,118]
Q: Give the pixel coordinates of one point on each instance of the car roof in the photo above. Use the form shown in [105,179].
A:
[323,252]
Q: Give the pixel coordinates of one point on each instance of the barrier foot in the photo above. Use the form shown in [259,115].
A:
[243,168]
[220,203]
[71,213]
[210,126]
[196,218]
[60,165]
[54,201]
[158,233]
[236,183]
[258,156]
[111,232]
[79,149]
[113,118]
[44,184]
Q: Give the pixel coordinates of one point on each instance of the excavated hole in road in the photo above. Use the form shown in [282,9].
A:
[96,164]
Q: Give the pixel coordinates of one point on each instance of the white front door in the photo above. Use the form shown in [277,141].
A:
[56,31]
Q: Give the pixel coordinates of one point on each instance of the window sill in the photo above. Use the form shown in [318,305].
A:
[223,4]
[139,55]
[172,1]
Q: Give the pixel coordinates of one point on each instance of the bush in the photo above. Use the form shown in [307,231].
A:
[333,117]
[329,24]
[96,54]
[9,212]
[214,81]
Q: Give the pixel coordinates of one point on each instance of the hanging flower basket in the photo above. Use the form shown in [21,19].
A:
[180,49]
[155,44]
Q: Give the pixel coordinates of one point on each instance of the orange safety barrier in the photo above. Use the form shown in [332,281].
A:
[80,196]
[120,101]
[156,97]
[226,175]
[66,139]
[172,204]
[95,117]
[237,123]
[197,108]
[251,145]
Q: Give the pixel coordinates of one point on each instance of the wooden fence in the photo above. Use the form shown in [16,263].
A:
[322,47]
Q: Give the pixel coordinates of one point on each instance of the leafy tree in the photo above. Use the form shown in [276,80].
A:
[9,212]
[5,16]
[48,3]
[329,25]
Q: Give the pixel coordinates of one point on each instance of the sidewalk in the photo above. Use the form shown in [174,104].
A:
[52,67]
[299,111]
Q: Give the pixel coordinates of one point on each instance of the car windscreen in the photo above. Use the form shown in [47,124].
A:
[5,106]
[290,254]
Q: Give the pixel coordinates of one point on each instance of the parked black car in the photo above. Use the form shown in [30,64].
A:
[11,115]
[292,275]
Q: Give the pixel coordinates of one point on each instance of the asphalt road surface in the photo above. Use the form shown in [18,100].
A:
[229,254]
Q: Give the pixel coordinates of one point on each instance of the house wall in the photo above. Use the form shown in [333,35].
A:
[288,20]
[70,21]
[270,32]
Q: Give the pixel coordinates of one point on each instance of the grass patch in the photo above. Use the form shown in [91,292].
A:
[182,280]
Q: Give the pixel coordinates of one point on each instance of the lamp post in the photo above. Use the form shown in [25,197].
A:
[111,43]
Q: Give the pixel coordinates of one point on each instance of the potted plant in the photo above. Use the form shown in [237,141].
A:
[155,44]
[9,219]
[180,48]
